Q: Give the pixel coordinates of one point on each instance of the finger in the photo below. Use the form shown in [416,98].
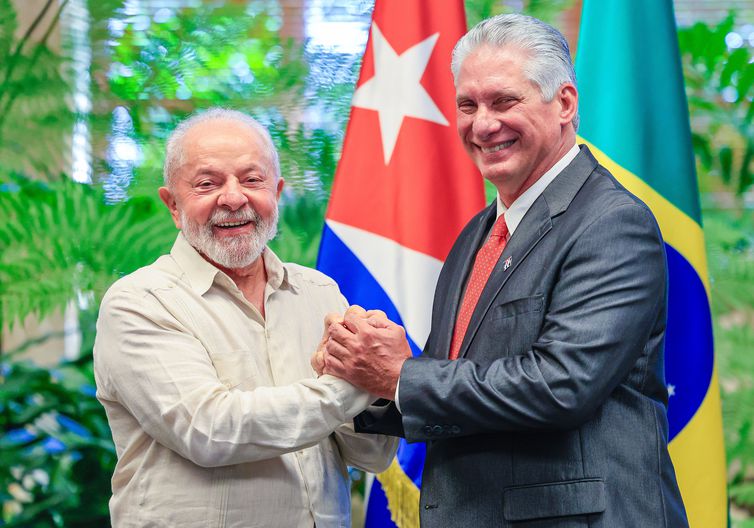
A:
[336,349]
[318,361]
[355,311]
[355,323]
[376,313]
[333,318]
[335,367]
[340,333]
[380,322]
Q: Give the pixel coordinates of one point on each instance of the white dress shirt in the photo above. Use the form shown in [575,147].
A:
[217,417]
[515,213]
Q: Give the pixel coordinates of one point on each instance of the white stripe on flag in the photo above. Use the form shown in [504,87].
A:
[407,276]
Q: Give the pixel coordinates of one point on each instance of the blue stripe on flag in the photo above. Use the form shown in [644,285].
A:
[379,512]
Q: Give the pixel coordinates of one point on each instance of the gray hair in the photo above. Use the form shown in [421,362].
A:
[174,154]
[549,65]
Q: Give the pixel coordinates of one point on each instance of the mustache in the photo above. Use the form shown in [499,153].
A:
[247,214]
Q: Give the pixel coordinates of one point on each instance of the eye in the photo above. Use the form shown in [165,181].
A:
[467,107]
[251,179]
[504,101]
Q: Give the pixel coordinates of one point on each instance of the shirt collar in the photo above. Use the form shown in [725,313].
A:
[515,213]
[277,272]
[201,274]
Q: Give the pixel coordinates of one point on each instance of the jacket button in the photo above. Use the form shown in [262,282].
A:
[437,430]
[428,430]
[455,429]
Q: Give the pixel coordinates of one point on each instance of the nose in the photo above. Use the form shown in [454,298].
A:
[232,196]
[485,123]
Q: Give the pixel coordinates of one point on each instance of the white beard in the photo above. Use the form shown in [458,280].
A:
[231,252]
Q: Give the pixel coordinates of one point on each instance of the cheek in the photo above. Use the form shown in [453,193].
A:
[463,122]
[463,127]
[199,211]
[263,203]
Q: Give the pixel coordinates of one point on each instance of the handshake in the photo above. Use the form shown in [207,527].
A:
[365,348]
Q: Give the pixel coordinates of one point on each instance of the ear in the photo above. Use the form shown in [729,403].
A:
[280,185]
[568,97]
[167,198]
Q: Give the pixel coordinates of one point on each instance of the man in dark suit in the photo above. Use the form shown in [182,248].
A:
[541,391]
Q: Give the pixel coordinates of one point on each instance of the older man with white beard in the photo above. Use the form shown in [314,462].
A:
[202,358]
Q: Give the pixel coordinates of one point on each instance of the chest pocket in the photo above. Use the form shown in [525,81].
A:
[517,323]
[237,369]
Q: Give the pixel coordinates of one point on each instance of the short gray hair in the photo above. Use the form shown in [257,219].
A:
[549,65]
[174,155]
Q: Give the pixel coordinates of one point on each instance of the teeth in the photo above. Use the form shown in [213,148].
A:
[231,224]
[501,146]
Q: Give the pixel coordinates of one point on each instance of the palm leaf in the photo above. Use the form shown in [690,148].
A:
[63,240]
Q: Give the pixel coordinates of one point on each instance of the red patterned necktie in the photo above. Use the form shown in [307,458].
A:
[485,260]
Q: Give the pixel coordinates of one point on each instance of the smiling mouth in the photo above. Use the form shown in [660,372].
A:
[231,225]
[498,147]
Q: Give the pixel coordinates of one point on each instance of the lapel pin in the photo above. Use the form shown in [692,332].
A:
[507,263]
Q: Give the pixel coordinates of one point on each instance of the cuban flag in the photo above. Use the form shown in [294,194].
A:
[403,190]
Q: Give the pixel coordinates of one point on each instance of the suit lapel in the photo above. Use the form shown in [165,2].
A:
[537,222]
[460,269]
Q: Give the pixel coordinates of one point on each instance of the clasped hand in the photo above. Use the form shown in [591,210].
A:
[365,348]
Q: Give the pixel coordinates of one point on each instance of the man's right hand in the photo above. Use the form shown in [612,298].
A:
[372,316]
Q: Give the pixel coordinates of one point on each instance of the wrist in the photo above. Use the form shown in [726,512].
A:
[392,391]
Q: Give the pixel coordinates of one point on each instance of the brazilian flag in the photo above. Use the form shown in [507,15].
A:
[634,117]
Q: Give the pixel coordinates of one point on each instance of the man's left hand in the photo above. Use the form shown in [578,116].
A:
[368,352]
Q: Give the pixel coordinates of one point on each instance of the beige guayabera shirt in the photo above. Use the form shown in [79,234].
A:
[217,416]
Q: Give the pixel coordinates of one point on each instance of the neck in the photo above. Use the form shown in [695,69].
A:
[251,280]
[508,195]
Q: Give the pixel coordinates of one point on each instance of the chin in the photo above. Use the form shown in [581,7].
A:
[496,177]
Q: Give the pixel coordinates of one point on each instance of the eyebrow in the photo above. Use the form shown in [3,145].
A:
[253,167]
[206,171]
[492,94]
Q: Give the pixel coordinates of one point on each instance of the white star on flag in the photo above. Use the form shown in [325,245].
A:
[671,390]
[395,91]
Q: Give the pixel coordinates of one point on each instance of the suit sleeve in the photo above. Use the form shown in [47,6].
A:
[601,313]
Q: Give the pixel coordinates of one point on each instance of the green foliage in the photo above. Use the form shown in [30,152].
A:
[61,240]
[720,87]
[730,247]
[33,92]
[206,54]
[56,456]
[547,10]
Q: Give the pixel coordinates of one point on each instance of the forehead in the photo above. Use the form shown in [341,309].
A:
[223,136]
[493,66]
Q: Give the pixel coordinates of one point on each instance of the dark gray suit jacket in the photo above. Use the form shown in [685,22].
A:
[555,413]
